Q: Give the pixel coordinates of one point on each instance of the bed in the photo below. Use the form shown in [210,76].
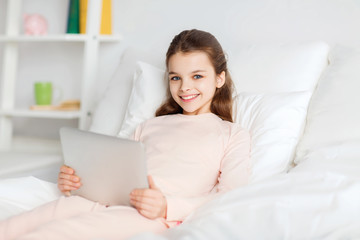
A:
[305,145]
[299,101]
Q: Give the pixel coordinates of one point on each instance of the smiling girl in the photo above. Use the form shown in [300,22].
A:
[194,152]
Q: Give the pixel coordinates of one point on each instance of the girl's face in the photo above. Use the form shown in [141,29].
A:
[193,81]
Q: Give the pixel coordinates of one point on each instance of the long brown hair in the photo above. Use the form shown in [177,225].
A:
[195,40]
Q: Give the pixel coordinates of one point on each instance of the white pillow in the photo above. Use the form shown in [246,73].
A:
[275,122]
[333,120]
[148,93]
[110,110]
[278,67]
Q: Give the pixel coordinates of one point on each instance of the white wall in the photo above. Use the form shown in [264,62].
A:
[244,21]
[151,24]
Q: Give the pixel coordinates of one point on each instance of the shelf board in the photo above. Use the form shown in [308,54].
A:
[60,38]
[40,114]
[110,38]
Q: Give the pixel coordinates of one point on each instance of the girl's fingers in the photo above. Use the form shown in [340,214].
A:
[147,214]
[149,202]
[146,193]
[69,177]
[151,183]
[69,183]
[67,187]
[146,210]
[67,169]
[145,203]
[142,205]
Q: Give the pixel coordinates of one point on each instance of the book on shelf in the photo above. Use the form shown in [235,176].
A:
[83,15]
[105,27]
[73,17]
[106,17]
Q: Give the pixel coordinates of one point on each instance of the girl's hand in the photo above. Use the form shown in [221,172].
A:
[67,180]
[149,202]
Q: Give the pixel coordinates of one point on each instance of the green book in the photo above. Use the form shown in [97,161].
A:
[73,17]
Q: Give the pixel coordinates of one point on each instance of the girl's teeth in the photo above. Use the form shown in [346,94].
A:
[189,97]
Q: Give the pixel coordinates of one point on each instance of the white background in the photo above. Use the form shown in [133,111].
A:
[151,24]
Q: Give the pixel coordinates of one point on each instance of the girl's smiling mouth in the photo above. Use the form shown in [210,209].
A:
[188,98]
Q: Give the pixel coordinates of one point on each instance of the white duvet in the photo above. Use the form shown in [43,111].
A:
[22,194]
[311,203]
[299,205]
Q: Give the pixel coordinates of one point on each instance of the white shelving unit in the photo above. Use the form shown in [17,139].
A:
[11,40]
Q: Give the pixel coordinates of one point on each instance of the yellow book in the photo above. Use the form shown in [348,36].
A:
[83,15]
[105,27]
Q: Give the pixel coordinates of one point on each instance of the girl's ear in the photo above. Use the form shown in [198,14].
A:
[220,79]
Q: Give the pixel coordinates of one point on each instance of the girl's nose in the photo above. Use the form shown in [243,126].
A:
[185,85]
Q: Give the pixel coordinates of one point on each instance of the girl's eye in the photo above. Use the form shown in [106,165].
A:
[198,76]
[175,78]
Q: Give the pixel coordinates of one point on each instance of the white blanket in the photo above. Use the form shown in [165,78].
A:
[298,205]
[22,194]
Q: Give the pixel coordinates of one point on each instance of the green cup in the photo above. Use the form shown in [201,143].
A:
[43,93]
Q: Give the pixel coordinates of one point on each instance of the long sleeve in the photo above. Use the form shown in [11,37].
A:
[235,171]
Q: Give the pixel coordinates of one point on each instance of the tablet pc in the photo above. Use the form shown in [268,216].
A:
[109,167]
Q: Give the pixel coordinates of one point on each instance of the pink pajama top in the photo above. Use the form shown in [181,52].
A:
[193,157]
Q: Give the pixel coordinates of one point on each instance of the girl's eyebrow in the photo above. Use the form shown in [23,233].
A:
[196,71]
